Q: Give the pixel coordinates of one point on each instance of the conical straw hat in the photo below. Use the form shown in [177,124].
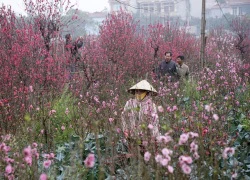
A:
[143,85]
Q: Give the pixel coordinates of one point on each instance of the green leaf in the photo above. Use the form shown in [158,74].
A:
[239,127]
[60,156]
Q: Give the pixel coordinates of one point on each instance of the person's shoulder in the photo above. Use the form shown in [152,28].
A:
[162,62]
[172,62]
[130,100]
[186,66]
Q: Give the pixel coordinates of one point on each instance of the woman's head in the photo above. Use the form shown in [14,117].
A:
[140,94]
[142,87]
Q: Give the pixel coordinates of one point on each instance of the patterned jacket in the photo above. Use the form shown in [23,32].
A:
[140,117]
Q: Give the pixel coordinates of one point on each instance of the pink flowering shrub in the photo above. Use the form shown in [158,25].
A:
[201,120]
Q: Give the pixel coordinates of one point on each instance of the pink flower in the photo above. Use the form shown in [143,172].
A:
[170,169]
[150,126]
[63,128]
[185,160]
[5,148]
[46,164]
[111,120]
[27,151]
[8,169]
[216,117]
[28,160]
[194,147]
[160,109]
[228,151]
[34,145]
[175,108]
[118,130]
[51,156]
[183,138]
[196,155]
[186,169]
[52,112]
[90,161]
[67,111]
[158,158]
[208,108]
[163,139]
[166,152]
[164,162]
[43,176]
[145,143]
[234,175]
[147,156]
[31,88]
[193,135]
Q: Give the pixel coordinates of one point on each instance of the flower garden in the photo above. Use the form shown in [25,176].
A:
[61,124]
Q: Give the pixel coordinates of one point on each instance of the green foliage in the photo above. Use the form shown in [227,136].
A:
[66,112]
[240,130]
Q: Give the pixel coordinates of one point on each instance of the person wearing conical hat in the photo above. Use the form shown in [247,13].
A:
[139,117]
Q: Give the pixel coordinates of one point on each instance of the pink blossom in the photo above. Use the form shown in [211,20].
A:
[67,111]
[34,145]
[183,138]
[63,128]
[175,108]
[164,162]
[160,109]
[43,176]
[5,148]
[158,158]
[216,117]
[111,120]
[27,151]
[150,126]
[8,160]
[185,160]
[31,88]
[208,108]
[52,112]
[234,175]
[46,164]
[118,130]
[228,151]
[166,152]
[193,135]
[194,147]
[186,169]
[90,161]
[51,156]
[145,143]
[170,169]
[196,155]
[169,109]
[147,156]
[8,169]
[163,139]
[28,160]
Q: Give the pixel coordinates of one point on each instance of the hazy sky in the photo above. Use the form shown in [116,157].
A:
[84,5]
[96,5]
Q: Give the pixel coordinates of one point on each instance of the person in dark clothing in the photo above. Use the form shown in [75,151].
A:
[168,67]
[72,47]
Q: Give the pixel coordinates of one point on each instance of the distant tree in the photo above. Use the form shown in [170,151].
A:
[75,22]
